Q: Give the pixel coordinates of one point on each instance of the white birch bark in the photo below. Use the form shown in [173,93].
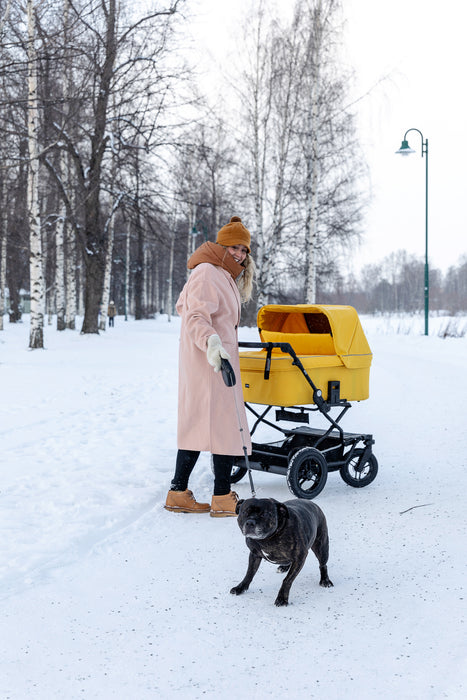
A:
[3,227]
[127,275]
[60,234]
[259,126]
[311,186]
[157,300]
[171,269]
[3,253]
[271,80]
[109,252]
[107,271]
[146,279]
[70,278]
[312,69]
[36,334]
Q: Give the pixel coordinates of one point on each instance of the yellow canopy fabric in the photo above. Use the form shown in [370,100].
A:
[342,322]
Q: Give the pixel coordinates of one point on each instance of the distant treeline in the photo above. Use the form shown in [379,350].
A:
[397,284]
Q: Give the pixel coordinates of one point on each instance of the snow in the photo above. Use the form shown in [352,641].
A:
[106,595]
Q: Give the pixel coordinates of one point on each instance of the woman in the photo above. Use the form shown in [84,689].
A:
[209,306]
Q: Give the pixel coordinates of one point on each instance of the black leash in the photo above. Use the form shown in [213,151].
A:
[229,378]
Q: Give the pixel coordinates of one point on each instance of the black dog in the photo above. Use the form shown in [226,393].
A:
[282,533]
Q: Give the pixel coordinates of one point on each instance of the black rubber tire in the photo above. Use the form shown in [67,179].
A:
[307,473]
[238,472]
[359,475]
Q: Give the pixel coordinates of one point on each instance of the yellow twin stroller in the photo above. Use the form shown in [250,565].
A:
[310,358]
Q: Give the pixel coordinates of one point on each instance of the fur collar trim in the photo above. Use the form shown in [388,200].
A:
[216,255]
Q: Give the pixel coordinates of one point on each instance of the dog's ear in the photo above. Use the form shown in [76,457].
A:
[282,511]
[239,503]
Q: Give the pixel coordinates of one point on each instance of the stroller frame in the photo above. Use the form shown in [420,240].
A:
[305,455]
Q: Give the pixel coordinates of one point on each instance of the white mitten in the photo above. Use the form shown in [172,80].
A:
[215,352]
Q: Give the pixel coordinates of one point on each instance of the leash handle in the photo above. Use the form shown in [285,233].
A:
[228,374]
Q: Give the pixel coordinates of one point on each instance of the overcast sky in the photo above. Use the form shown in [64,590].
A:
[421,46]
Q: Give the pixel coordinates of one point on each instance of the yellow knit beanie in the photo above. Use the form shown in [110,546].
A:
[234,233]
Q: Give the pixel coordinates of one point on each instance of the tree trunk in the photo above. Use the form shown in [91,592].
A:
[108,258]
[311,152]
[107,274]
[311,220]
[147,281]
[70,278]
[61,231]
[259,127]
[36,335]
[171,271]
[93,292]
[157,294]
[139,271]
[95,238]
[127,274]
[3,249]
[60,235]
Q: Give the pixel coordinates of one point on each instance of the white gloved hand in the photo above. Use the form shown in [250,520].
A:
[215,352]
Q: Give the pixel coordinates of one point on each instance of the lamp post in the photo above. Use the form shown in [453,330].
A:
[405,150]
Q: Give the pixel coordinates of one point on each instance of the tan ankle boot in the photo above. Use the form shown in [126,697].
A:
[184,502]
[224,506]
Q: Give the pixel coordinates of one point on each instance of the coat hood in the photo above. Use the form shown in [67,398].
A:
[215,254]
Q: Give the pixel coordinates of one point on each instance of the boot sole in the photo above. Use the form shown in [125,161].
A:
[222,514]
[174,509]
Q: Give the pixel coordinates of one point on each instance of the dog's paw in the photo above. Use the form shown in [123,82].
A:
[238,590]
[283,569]
[326,583]
[280,601]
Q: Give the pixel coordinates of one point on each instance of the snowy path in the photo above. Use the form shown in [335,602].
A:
[106,595]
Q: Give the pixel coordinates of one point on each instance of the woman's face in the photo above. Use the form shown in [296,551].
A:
[238,252]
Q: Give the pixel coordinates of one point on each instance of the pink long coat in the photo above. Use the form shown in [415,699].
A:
[207,418]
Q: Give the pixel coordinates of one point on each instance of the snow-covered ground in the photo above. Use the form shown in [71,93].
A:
[104,594]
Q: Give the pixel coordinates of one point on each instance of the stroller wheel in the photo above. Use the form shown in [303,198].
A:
[358,474]
[307,473]
[237,473]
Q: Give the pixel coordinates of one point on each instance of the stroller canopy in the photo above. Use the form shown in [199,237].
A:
[309,321]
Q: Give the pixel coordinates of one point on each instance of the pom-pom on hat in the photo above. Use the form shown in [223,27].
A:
[234,233]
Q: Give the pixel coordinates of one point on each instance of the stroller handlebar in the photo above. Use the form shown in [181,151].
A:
[287,348]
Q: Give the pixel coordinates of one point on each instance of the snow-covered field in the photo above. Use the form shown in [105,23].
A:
[105,594]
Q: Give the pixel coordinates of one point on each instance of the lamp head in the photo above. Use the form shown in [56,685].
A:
[405,149]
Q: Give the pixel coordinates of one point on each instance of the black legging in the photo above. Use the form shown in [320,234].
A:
[186,460]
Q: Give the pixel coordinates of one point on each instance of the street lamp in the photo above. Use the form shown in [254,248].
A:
[405,150]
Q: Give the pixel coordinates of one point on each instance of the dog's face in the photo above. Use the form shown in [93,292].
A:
[258,518]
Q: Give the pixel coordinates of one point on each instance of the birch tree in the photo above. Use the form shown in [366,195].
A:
[269,95]
[3,249]
[3,228]
[63,169]
[110,236]
[331,203]
[114,51]
[36,334]
[299,138]
[318,30]
[257,100]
